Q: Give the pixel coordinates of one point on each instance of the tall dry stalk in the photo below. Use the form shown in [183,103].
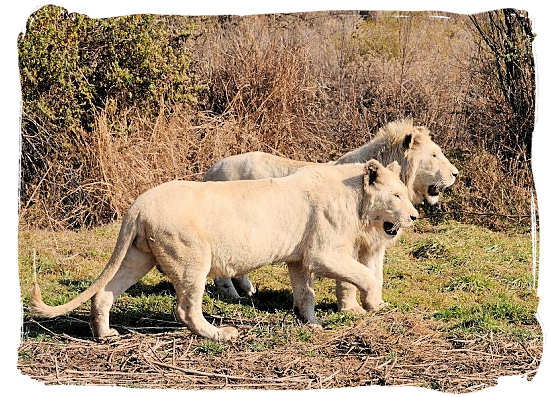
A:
[305,86]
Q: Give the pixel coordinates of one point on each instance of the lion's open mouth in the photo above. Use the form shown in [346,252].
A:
[390,228]
[433,190]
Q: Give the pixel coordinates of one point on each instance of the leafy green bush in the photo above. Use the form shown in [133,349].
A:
[71,63]
[71,68]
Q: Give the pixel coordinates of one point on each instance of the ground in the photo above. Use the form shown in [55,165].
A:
[461,313]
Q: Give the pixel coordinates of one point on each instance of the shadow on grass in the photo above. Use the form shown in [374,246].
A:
[163,287]
[138,289]
[326,306]
[77,324]
[266,300]
[271,301]
[126,319]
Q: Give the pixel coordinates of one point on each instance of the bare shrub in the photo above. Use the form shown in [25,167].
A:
[135,153]
[306,86]
[262,73]
[508,37]
[489,195]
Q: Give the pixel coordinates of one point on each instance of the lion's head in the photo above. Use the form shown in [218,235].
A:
[428,170]
[386,206]
[425,169]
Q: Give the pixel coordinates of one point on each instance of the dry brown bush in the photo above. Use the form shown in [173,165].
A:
[489,195]
[305,86]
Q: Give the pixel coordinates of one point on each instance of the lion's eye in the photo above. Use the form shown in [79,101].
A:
[397,195]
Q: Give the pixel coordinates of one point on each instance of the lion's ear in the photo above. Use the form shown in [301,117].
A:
[407,141]
[371,171]
[419,136]
[423,130]
[395,168]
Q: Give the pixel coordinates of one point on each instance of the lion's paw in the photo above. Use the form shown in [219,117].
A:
[230,294]
[109,334]
[375,306]
[314,326]
[244,285]
[250,291]
[227,334]
[354,309]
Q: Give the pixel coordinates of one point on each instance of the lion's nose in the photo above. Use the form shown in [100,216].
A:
[413,218]
[455,173]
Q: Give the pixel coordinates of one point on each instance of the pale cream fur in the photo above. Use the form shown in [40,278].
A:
[317,220]
[422,162]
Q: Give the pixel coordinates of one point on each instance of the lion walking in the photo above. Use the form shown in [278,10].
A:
[317,220]
[424,169]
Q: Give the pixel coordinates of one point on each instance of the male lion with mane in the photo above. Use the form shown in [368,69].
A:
[316,220]
[424,169]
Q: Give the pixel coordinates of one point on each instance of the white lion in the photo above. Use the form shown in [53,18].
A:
[317,220]
[424,169]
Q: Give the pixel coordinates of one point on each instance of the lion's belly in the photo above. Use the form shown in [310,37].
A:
[246,224]
[242,254]
[252,230]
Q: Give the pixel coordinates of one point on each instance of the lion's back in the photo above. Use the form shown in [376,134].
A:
[251,166]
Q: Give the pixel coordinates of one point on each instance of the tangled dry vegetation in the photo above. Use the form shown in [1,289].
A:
[306,86]
[400,350]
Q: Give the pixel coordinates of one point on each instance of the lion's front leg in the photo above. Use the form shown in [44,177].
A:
[303,293]
[345,268]
[375,261]
[346,297]
[346,293]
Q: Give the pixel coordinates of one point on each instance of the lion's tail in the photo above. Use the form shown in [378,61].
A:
[125,238]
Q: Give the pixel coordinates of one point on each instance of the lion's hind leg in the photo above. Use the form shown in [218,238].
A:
[187,266]
[226,288]
[135,265]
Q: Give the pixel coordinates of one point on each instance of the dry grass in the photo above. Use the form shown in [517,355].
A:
[305,86]
[393,349]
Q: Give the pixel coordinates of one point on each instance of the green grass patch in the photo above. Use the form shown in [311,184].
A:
[304,334]
[496,314]
[258,346]
[462,276]
[429,249]
[474,282]
[209,348]
[337,320]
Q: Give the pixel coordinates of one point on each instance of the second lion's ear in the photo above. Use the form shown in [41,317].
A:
[371,171]
[407,141]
